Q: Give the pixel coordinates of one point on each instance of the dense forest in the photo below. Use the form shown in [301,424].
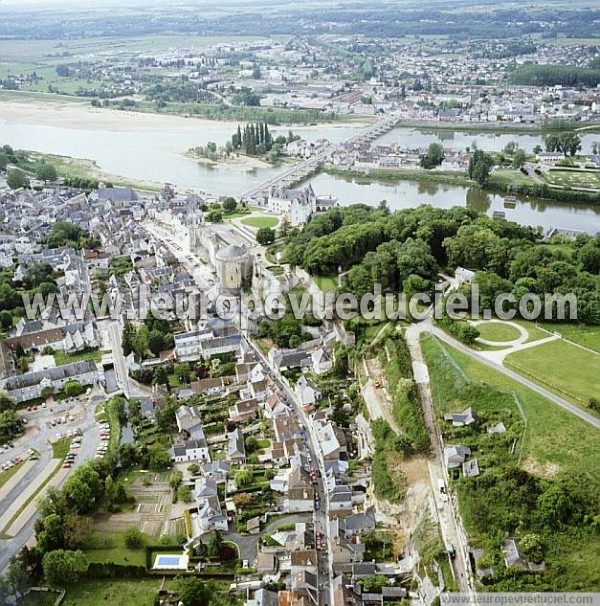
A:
[404,251]
[555,75]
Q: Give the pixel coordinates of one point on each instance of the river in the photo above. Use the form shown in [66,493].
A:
[145,147]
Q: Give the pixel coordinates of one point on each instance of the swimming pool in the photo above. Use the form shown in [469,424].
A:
[170,562]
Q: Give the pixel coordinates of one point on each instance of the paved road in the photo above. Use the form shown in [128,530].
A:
[578,412]
[448,512]
[40,441]
[320,517]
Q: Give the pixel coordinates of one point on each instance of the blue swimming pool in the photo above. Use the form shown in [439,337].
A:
[170,561]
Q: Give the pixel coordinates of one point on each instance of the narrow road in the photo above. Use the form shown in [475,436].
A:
[578,412]
[447,509]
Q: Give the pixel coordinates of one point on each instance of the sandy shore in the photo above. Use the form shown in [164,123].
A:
[76,115]
[83,116]
[237,160]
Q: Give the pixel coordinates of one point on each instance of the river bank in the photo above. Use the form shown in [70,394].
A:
[497,184]
[37,105]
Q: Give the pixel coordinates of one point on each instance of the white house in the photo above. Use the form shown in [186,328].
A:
[190,451]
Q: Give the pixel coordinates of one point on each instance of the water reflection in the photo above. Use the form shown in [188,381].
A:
[407,194]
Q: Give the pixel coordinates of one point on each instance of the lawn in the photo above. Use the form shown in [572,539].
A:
[61,448]
[494,331]
[508,176]
[104,547]
[326,283]
[561,367]
[140,592]
[555,439]
[62,357]
[260,222]
[588,336]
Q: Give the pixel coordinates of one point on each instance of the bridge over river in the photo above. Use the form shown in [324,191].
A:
[305,168]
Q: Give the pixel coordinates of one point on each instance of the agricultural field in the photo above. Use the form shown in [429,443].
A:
[561,367]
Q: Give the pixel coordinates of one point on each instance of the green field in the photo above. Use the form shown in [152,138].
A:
[587,336]
[114,593]
[494,331]
[111,548]
[326,283]
[260,222]
[555,439]
[510,176]
[535,333]
[564,369]
[556,445]
[61,357]
[573,178]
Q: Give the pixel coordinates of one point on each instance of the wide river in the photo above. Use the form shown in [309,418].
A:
[149,148]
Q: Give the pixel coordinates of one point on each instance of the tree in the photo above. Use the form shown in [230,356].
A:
[519,159]
[161,376]
[193,591]
[127,340]
[242,500]
[11,425]
[480,166]
[193,468]
[434,156]
[215,543]
[16,577]
[159,460]
[17,179]
[244,477]
[6,319]
[531,545]
[184,494]
[73,389]
[265,236]
[182,372]
[76,530]
[567,142]
[128,455]
[6,402]
[46,172]
[594,404]
[175,479]
[156,342]
[229,205]
[134,539]
[50,534]
[83,489]
[63,567]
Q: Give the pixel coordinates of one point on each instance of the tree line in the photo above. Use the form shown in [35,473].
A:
[403,252]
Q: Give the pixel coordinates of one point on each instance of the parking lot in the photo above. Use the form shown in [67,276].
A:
[32,453]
